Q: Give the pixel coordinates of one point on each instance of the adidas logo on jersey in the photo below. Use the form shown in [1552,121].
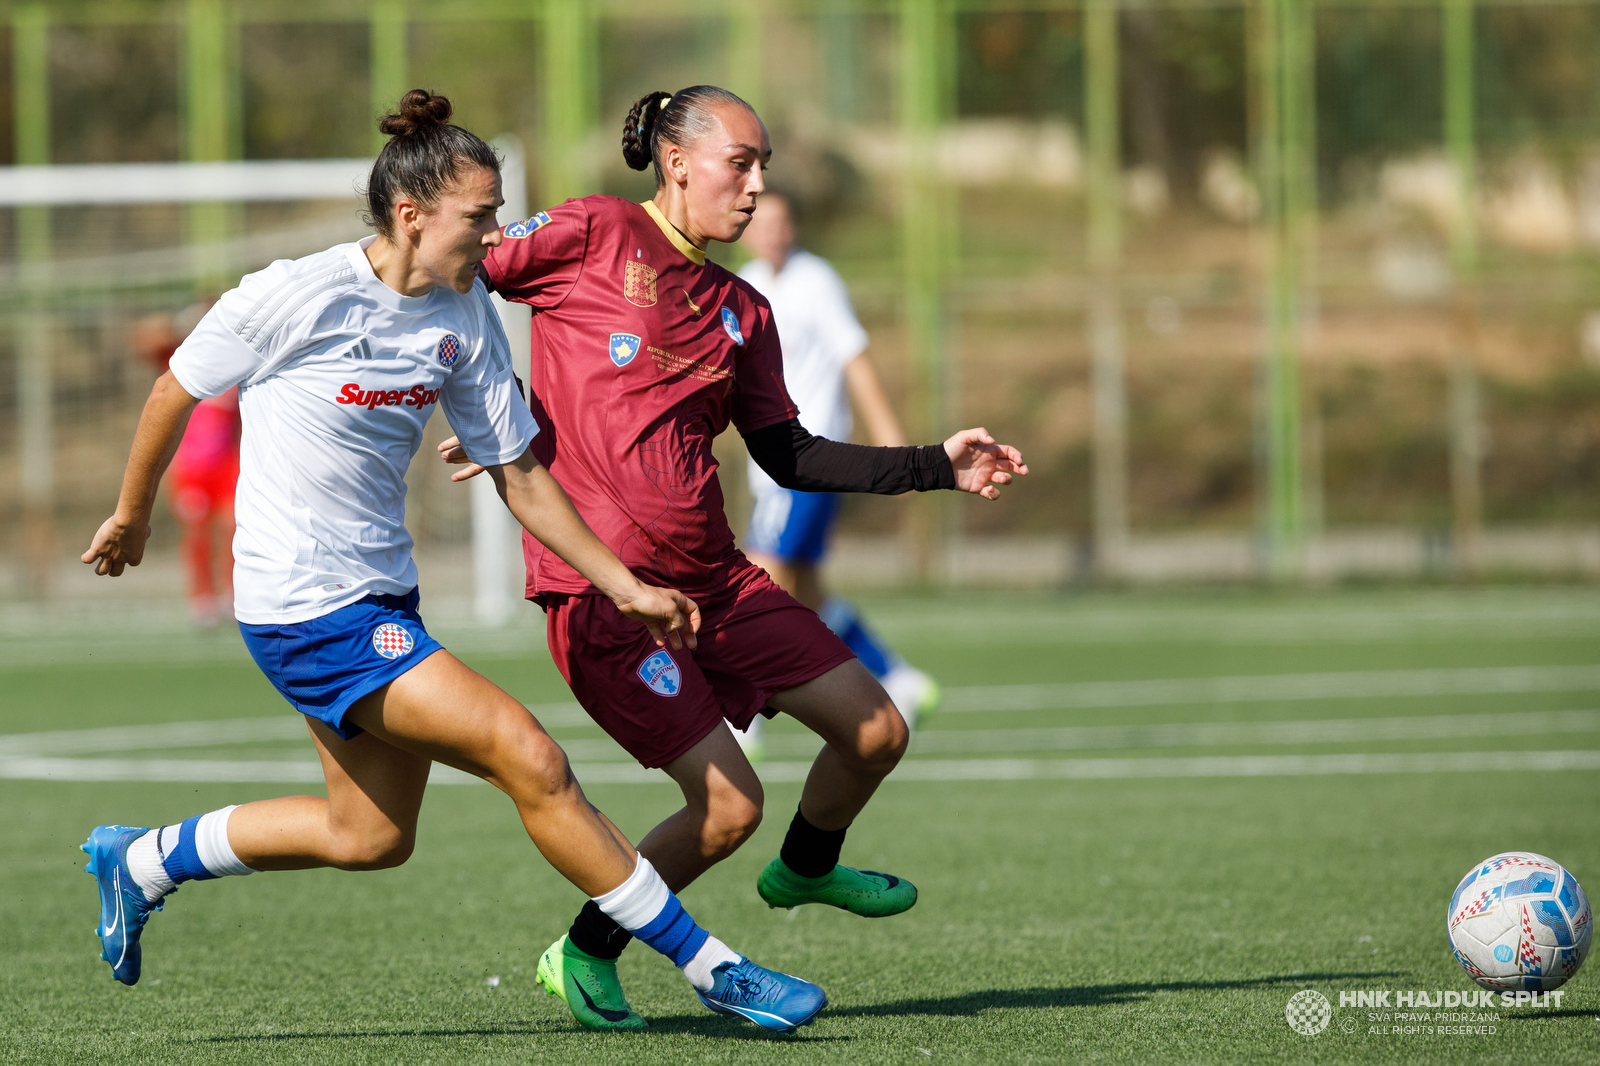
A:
[416,396]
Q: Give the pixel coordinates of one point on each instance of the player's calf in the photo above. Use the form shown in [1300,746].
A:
[371,848]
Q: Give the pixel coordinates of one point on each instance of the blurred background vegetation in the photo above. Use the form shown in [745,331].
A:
[1335,313]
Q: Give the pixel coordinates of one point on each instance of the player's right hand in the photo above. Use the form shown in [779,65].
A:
[669,615]
[451,451]
[117,545]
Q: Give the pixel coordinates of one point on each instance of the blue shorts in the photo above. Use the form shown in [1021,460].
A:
[324,665]
[792,525]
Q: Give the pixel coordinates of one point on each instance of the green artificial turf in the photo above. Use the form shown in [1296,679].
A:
[1161,920]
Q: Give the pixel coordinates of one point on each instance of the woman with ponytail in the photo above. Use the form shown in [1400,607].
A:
[643,351]
[340,359]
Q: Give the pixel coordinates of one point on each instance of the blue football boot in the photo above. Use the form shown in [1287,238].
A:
[123,908]
[772,1000]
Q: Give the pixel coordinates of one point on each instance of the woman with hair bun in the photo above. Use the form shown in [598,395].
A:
[340,358]
[642,353]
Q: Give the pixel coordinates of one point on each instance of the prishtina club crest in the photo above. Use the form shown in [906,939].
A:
[391,641]
[623,347]
[730,322]
[660,674]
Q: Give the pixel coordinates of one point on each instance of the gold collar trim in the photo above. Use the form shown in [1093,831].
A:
[679,241]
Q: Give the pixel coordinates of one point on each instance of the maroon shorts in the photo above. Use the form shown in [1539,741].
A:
[755,640]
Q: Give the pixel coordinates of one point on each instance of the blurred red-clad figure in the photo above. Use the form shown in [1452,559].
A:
[201,480]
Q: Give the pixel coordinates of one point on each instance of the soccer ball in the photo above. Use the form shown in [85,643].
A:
[1519,921]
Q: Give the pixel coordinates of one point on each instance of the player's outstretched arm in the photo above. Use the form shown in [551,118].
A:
[970,461]
[120,541]
[544,510]
[980,464]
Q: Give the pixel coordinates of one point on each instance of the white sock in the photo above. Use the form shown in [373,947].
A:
[144,863]
[645,907]
[712,953]
[146,855]
[211,843]
[635,902]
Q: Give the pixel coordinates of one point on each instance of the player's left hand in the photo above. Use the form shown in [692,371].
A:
[451,451]
[981,464]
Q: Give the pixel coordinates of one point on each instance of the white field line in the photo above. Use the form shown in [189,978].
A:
[1218,734]
[211,734]
[307,772]
[1363,684]
[41,756]
[1231,766]
[288,728]
[1519,614]
[54,646]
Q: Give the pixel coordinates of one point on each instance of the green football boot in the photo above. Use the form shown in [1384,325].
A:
[864,892]
[589,988]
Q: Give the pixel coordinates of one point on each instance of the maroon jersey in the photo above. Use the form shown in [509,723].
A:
[642,353]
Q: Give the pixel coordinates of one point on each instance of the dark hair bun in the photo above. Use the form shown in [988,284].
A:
[419,110]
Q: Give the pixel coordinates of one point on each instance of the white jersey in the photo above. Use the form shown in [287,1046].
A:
[337,376]
[820,336]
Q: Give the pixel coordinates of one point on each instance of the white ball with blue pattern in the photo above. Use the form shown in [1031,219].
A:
[1519,922]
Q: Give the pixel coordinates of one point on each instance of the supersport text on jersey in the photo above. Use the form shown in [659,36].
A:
[337,376]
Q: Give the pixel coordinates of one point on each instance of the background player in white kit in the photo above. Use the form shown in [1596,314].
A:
[825,368]
[340,359]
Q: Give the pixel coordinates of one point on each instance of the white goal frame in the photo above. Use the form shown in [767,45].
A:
[496,574]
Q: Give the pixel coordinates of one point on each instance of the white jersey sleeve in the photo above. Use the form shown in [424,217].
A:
[338,375]
[243,338]
[481,400]
[820,335]
[840,335]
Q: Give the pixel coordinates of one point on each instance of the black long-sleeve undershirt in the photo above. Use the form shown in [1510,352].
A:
[795,459]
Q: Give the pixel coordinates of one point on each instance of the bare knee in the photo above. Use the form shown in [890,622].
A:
[373,847]
[731,818]
[533,768]
[880,741]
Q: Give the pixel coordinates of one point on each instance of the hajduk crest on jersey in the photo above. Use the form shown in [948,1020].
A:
[449,350]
